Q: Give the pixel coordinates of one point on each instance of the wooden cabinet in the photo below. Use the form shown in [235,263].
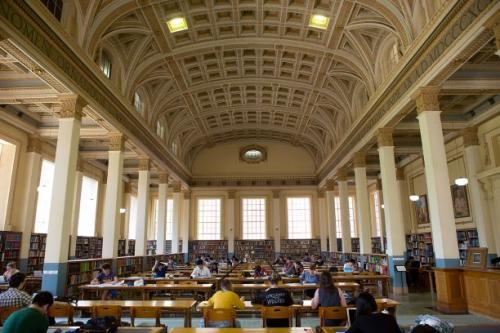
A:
[450,290]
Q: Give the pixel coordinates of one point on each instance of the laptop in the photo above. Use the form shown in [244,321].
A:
[351,316]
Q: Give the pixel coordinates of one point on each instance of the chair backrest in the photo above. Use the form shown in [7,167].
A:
[164,282]
[210,314]
[61,310]
[6,311]
[276,312]
[332,313]
[107,311]
[145,312]
[189,282]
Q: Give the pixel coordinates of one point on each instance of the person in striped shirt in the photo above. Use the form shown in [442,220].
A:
[14,296]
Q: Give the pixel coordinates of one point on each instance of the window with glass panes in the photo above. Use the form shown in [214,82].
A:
[132,222]
[209,219]
[88,207]
[337,217]
[299,217]
[168,225]
[44,197]
[254,218]
[352,217]
[376,208]
[138,102]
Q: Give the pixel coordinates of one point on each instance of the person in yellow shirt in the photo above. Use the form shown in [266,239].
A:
[225,299]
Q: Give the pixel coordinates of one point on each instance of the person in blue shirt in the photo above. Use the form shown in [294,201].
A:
[310,276]
[159,269]
[106,276]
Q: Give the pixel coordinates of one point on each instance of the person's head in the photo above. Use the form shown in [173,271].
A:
[43,300]
[226,285]
[411,258]
[326,281]
[312,267]
[257,268]
[288,260]
[274,279]
[199,263]
[306,254]
[106,269]
[365,304]
[11,266]
[17,280]
[333,269]
[353,261]
[313,257]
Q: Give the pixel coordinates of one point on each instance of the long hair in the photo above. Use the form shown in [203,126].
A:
[365,304]
[326,282]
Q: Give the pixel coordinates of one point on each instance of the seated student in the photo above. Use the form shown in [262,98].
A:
[171,265]
[368,320]
[32,319]
[200,271]
[14,296]
[10,270]
[310,276]
[159,269]
[279,261]
[258,272]
[276,296]
[106,276]
[289,267]
[328,295]
[319,261]
[225,298]
[349,266]
[306,257]
[234,261]
[299,268]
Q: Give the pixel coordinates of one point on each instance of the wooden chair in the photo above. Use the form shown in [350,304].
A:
[107,311]
[61,310]
[277,312]
[187,282]
[6,311]
[332,313]
[145,312]
[211,314]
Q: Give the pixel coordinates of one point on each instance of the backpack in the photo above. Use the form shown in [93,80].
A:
[101,324]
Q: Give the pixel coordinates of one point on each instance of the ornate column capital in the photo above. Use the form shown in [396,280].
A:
[359,159]
[276,194]
[163,177]
[144,163]
[321,193]
[330,185]
[385,137]
[470,137]
[127,188]
[493,24]
[34,144]
[427,99]
[79,164]
[231,194]
[71,106]
[116,141]
[342,174]
[400,174]
[177,187]
[187,195]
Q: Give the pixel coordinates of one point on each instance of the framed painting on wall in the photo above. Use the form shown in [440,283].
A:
[460,201]
[422,210]
[477,257]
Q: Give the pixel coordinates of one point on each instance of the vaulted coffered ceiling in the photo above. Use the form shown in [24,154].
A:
[250,69]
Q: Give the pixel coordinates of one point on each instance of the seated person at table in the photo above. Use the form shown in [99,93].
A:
[310,276]
[328,295]
[171,265]
[289,267]
[159,269]
[225,298]
[276,296]
[106,276]
[299,268]
[234,261]
[258,272]
[349,266]
[10,270]
[279,261]
[200,271]
[14,296]
[306,257]
[32,319]
[318,261]
[368,320]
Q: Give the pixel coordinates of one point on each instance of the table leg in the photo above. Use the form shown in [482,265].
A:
[298,318]
[187,318]
[431,284]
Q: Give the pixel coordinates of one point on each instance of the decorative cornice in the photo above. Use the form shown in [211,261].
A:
[493,24]
[400,174]
[342,174]
[276,194]
[34,145]
[359,159]
[470,137]
[254,181]
[144,163]
[385,137]
[163,177]
[127,187]
[177,187]
[116,142]
[231,194]
[71,106]
[427,99]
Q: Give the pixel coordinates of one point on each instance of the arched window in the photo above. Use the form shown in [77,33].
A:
[138,104]
[105,64]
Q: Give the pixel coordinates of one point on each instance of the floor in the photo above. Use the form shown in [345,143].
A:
[411,306]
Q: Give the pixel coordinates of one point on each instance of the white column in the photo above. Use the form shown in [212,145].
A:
[57,247]
[113,197]
[142,208]
[382,215]
[344,210]
[323,221]
[28,208]
[396,243]
[126,204]
[186,209]
[276,221]
[444,233]
[75,215]
[493,187]
[162,212]
[479,204]
[363,204]
[230,211]
[176,216]
[332,221]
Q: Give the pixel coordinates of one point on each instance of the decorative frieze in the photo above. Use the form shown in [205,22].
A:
[276,194]
[493,24]
[71,106]
[427,99]
[400,174]
[34,145]
[321,193]
[231,194]
[253,182]
[385,137]
[187,195]
[470,137]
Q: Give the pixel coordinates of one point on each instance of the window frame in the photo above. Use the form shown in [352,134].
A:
[105,64]
[221,217]
[132,217]
[83,209]
[353,219]
[265,216]
[287,215]
[47,202]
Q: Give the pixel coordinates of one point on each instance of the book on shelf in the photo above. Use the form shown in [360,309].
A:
[10,247]
[296,248]
[217,249]
[256,250]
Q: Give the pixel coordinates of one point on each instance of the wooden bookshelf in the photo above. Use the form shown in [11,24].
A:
[467,238]
[168,247]
[88,247]
[377,245]
[258,250]
[296,248]
[355,245]
[36,253]
[82,272]
[122,244]
[10,247]
[128,265]
[376,263]
[217,249]
[420,247]
[131,247]
[151,247]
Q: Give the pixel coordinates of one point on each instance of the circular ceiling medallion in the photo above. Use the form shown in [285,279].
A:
[253,154]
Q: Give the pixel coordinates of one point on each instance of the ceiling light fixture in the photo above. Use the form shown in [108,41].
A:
[414,198]
[122,210]
[177,24]
[462,181]
[319,21]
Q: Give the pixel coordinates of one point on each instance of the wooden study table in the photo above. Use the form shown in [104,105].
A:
[359,278]
[244,330]
[64,329]
[183,307]
[234,279]
[293,287]
[147,289]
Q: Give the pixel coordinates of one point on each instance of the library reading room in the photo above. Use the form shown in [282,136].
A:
[250,166]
